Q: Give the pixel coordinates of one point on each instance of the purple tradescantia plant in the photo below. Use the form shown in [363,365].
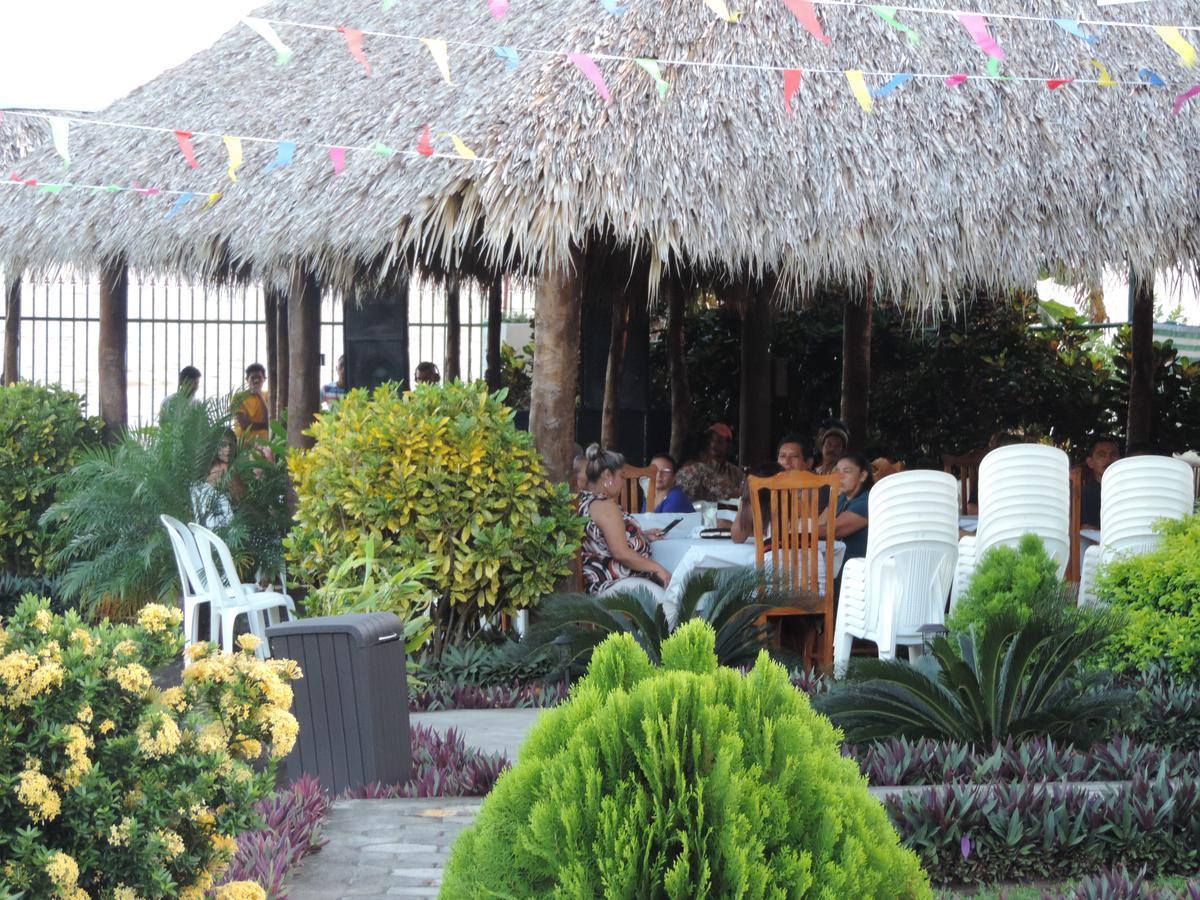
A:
[443,766]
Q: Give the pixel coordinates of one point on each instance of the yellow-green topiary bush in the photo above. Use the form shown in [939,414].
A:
[440,474]
[686,781]
[112,788]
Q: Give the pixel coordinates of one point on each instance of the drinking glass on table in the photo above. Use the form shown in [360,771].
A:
[708,513]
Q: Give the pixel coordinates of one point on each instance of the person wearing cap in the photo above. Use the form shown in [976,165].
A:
[711,476]
[832,443]
[189,383]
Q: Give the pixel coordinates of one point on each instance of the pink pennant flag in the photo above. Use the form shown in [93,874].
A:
[497,8]
[978,27]
[807,14]
[185,147]
[425,144]
[337,156]
[791,84]
[1185,97]
[588,67]
[956,80]
[354,43]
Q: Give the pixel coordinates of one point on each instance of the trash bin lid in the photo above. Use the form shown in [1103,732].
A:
[365,629]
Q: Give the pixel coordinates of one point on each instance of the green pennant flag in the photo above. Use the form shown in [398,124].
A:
[888,14]
[652,67]
[382,149]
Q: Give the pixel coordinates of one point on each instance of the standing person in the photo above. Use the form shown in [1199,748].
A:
[793,454]
[252,416]
[335,390]
[711,476]
[672,498]
[189,384]
[1103,452]
[427,373]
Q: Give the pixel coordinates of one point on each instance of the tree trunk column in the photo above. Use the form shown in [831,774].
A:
[681,395]
[282,378]
[618,339]
[754,417]
[556,368]
[1140,426]
[12,330]
[114,341]
[452,370]
[495,364]
[304,364]
[856,367]
[270,321]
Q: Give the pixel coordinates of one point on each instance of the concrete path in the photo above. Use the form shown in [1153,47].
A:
[490,730]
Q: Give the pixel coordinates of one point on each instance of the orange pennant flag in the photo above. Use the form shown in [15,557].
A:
[354,43]
[791,84]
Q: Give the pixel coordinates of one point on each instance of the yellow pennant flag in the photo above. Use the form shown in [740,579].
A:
[722,9]
[1177,42]
[858,84]
[212,199]
[234,146]
[441,56]
[459,147]
[1106,80]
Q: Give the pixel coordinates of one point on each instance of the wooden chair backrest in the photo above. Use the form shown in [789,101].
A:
[799,532]
[1074,562]
[629,488]
[965,468]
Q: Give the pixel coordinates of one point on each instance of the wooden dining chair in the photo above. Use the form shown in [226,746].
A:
[965,468]
[802,539]
[1074,562]
[631,477]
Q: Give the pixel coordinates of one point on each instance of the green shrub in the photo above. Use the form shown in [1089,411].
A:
[1160,591]
[686,781]
[112,788]
[258,485]
[1006,582]
[42,431]
[440,474]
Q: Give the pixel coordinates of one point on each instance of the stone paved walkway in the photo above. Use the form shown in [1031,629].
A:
[490,730]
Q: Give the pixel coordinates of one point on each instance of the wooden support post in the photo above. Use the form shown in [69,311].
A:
[270,321]
[754,418]
[304,364]
[494,321]
[12,330]
[452,371]
[681,395]
[281,379]
[622,311]
[556,368]
[1140,426]
[856,366]
[114,340]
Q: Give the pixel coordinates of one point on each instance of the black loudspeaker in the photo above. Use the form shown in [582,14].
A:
[376,336]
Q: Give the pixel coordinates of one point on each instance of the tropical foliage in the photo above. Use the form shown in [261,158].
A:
[438,474]
[1018,679]
[113,787]
[688,780]
[42,432]
[1007,580]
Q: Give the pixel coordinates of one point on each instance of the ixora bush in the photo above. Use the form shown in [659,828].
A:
[1007,580]
[442,474]
[689,780]
[42,432]
[112,788]
[1160,591]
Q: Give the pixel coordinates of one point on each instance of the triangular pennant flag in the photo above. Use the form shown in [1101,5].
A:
[459,147]
[212,199]
[511,58]
[178,205]
[382,149]
[612,7]
[441,56]
[1185,97]
[977,27]
[234,146]
[888,14]
[655,72]
[283,156]
[337,156]
[60,130]
[791,86]
[51,188]
[1072,27]
[993,70]
[1176,41]
[1055,83]
[894,82]
[184,139]
[146,192]
[387,5]
[721,8]
[588,67]
[807,14]
[858,86]
[1151,77]
[354,43]
[425,144]
[1106,80]
[497,8]
[956,79]
[283,53]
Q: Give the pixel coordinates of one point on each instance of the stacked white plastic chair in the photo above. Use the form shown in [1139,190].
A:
[1023,488]
[903,582]
[231,599]
[192,579]
[1137,493]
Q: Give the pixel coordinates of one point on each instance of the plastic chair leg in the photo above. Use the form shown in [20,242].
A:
[227,623]
[842,642]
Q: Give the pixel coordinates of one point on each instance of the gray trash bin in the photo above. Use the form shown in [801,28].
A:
[352,703]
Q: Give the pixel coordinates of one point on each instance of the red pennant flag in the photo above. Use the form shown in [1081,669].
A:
[425,144]
[791,84]
[807,14]
[185,147]
[1055,83]
[354,43]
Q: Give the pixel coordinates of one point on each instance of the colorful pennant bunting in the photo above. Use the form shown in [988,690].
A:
[441,56]
[1072,27]
[1151,77]
[888,14]
[354,43]
[807,14]
[337,156]
[212,199]
[179,204]
[381,149]
[791,86]
[651,66]
[387,5]
[425,144]
[283,53]
[1185,97]
[184,139]
[858,87]
[60,130]
[284,152]
[459,147]
[612,7]
[233,146]
[511,58]
[956,79]
[892,83]
[721,8]
[977,27]
[497,8]
[588,67]
[1055,83]
[1176,41]
[1106,80]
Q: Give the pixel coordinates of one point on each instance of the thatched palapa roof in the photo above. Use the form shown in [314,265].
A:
[990,181]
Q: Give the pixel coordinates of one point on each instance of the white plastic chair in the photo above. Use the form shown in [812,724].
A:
[902,584]
[1137,492]
[230,598]
[1023,488]
[192,580]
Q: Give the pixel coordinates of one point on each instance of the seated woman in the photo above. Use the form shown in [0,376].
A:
[831,446]
[855,481]
[672,498]
[616,551]
[743,526]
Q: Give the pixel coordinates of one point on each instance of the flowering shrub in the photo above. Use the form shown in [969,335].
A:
[110,787]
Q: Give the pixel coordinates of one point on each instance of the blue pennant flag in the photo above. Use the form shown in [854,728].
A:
[283,157]
[178,205]
[511,58]
[894,82]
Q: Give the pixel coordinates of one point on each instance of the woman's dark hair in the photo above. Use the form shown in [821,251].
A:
[600,461]
[762,470]
[669,458]
[864,465]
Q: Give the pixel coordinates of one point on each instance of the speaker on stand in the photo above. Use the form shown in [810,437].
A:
[375,329]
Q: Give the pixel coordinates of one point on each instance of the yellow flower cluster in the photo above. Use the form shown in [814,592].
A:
[155,617]
[37,794]
[106,726]
[84,638]
[63,870]
[84,715]
[158,736]
[198,888]
[174,698]
[125,648]
[240,890]
[132,677]
[42,620]
[118,835]
[26,676]
[124,892]
[172,843]
[248,642]
[283,728]
[78,744]
[212,738]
